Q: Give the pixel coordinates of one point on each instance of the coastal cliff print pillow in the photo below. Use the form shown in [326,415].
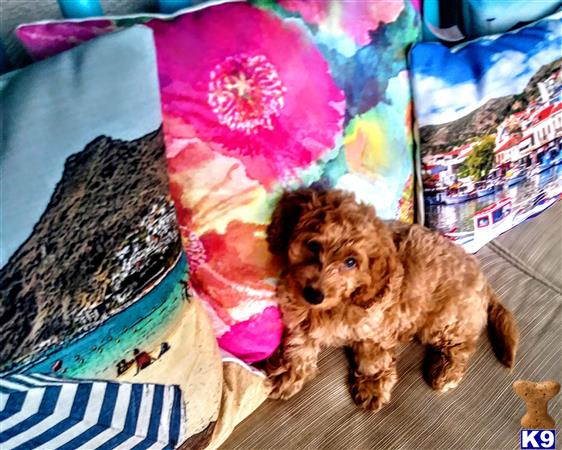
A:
[490,127]
[92,265]
[261,98]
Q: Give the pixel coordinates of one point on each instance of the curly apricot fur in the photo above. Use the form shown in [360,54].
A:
[375,284]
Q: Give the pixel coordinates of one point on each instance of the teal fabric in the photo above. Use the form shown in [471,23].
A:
[454,21]
[486,17]
[80,8]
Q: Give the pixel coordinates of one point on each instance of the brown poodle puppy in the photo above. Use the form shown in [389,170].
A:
[350,279]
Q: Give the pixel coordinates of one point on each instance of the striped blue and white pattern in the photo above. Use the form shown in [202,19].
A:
[42,412]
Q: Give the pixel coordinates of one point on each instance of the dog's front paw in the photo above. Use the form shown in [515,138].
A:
[284,385]
[372,392]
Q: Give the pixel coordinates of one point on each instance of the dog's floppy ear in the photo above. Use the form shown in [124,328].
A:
[285,218]
[386,272]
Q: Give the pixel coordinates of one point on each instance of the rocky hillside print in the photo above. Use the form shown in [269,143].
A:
[485,119]
[108,232]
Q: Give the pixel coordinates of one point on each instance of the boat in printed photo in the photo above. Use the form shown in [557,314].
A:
[459,193]
[546,164]
[459,197]
[543,200]
[493,220]
[489,223]
[502,215]
[483,189]
[434,196]
[515,176]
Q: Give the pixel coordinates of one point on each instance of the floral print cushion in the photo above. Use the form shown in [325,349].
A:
[259,98]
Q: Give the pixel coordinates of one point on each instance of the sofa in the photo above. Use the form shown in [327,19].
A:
[523,265]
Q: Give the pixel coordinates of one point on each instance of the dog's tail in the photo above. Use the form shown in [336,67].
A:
[502,330]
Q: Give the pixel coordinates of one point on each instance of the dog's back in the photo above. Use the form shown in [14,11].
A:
[447,282]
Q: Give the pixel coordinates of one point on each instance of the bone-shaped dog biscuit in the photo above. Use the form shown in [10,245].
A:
[536,396]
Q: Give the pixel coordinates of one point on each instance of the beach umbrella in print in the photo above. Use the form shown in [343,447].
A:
[43,412]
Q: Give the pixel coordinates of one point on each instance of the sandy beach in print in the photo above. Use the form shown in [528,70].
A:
[147,322]
[193,362]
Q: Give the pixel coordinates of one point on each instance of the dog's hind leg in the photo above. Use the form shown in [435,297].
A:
[448,351]
[445,365]
[451,333]
[374,376]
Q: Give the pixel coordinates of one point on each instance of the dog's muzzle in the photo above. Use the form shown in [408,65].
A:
[312,296]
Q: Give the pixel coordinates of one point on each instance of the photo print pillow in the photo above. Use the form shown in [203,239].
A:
[90,239]
[490,127]
[93,275]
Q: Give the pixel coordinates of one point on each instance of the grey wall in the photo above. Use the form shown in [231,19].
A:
[16,12]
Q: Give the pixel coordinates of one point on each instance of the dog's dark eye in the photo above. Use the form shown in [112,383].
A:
[314,247]
[350,263]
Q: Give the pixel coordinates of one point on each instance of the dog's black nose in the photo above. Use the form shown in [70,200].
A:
[312,295]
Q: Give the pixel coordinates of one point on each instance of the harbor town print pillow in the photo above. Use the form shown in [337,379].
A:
[92,265]
[490,128]
[261,98]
